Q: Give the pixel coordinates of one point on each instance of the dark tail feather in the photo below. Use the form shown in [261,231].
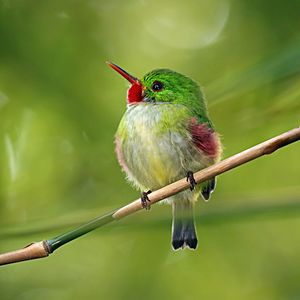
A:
[184,232]
[208,188]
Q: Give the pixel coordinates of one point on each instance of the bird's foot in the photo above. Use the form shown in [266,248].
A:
[145,200]
[190,178]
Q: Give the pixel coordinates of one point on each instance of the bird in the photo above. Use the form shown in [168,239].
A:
[164,135]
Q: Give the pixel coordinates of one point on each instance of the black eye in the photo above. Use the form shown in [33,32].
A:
[157,86]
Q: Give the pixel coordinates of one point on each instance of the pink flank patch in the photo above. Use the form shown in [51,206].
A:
[120,155]
[205,138]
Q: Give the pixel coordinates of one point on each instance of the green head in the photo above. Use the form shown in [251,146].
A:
[164,86]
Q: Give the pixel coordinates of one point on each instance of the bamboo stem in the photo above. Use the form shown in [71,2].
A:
[32,251]
[44,248]
[67,237]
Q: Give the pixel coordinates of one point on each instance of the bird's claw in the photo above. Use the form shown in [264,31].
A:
[190,178]
[145,200]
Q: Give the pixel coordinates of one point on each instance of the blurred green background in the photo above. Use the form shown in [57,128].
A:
[60,106]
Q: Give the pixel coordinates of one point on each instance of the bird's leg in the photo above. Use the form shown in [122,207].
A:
[190,178]
[145,200]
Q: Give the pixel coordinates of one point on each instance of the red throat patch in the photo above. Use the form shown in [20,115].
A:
[135,93]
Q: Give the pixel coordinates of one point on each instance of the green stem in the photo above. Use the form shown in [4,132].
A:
[65,238]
